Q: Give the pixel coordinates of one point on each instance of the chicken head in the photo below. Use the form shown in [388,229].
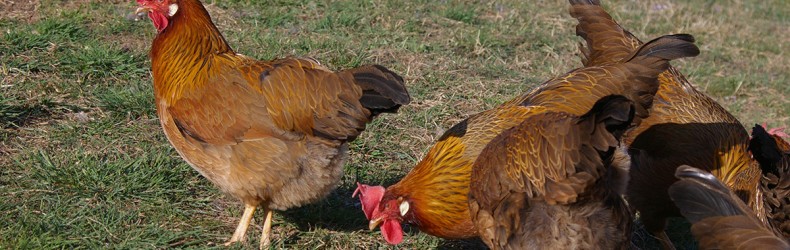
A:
[160,11]
[387,215]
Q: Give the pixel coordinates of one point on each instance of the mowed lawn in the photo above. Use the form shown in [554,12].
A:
[84,163]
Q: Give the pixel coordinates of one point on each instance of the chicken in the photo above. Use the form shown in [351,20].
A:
[685,127]
[273,134]
[547,182]
[433,195]
[773,155]
[720,218]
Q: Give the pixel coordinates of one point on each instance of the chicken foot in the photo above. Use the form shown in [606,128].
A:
[267,229]
[241,229]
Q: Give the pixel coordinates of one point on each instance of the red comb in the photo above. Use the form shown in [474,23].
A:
[370,197]
[780,131]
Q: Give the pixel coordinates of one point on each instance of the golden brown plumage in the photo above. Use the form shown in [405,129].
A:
[684,127]
[546,183]
[720,218]
[272,133]
[435,192]
[436,188]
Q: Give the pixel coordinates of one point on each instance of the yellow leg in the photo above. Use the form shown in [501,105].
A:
[267,229]
[241,229]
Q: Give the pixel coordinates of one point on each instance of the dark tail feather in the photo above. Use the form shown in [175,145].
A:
[765,150]
[700,195]
[648,61]
[383,90]
[720,219]
[663,49]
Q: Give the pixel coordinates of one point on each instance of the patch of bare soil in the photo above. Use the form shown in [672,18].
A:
[25,10]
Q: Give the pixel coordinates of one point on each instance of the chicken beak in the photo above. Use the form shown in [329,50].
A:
[374,223]
[142,10]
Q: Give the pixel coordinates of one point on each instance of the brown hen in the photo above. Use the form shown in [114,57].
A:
[685,127]
[433,196]
[273,134]
[720,218]
[547,182]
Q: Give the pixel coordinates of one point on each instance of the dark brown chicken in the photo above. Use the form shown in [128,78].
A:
[273,134]
[544,184]
[684,127]
[547,183]
[720,218]
[433,196]
[773,154]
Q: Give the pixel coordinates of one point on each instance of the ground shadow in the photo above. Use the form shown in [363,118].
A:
[338,212]
[469,244]
[21,115]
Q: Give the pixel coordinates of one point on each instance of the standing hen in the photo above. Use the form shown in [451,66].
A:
[433,195]
[273,134]
[685,127]
[548,183]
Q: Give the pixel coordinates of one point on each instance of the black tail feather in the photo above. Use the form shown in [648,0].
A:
[764,149]
[383,90]
[701,195]
[668,47]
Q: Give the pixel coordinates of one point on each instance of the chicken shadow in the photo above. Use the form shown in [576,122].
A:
[338,211]
[21,115]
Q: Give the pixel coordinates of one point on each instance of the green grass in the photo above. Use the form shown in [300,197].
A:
[85,164]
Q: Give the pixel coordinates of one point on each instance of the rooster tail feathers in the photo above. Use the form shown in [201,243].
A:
[699,195]
[383,91]
[658,52]
[765,150]
[720,219]
[649,60]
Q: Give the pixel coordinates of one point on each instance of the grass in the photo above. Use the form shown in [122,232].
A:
[85,164]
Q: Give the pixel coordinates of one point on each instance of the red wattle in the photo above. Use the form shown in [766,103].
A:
[392,232]
[160,21]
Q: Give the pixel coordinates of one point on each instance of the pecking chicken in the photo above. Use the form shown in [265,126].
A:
[720,218]
[433,195]
[274,133]
[685,127]
[773,155]
[547,182]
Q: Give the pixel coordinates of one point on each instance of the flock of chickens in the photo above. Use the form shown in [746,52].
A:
[568,164]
